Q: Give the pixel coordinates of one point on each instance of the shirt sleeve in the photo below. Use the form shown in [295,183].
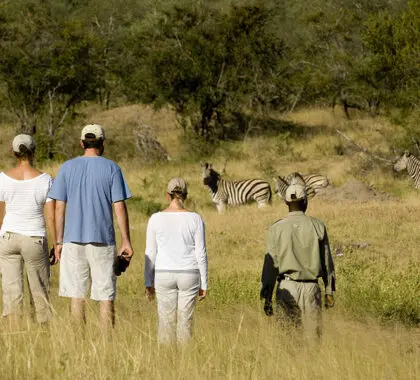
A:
[201,253]
[119,189]
[328,274]
[58,190]
[1,188]
[150,255]
[49,184]
[268,278]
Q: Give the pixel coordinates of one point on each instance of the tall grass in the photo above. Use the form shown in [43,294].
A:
[372,333]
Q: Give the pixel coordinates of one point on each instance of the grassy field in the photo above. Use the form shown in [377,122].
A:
[372,333]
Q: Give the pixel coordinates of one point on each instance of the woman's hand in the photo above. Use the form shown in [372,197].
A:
[150,293]
[202,294]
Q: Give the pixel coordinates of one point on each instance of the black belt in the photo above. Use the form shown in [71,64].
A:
[291,279]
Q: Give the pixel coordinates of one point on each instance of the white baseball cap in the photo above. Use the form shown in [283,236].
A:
[94,129]
[26,140]
[177,185]
[295,192]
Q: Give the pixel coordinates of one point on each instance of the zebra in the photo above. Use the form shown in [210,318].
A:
[315,181]
[281,184]
[412,164]
[224,192]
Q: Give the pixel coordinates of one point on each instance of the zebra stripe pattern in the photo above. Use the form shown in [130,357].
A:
[315,181]
[281,184]
[225,192]
[412,164]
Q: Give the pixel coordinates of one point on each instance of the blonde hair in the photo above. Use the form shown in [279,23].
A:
[179,197]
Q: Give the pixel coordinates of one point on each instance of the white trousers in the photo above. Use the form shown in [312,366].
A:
[176,294]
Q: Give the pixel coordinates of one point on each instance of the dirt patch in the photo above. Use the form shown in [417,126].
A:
[353,191]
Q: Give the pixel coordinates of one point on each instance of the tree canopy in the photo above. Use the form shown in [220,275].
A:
[212,61]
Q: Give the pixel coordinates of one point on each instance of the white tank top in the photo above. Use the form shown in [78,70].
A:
[25,201]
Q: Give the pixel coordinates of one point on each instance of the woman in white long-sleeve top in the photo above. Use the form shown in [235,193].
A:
[176,264]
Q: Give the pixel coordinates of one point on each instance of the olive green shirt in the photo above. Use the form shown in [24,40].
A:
[300,249]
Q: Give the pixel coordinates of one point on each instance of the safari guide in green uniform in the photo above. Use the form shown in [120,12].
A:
[298,253]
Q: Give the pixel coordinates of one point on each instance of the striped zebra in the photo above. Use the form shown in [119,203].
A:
[281,184]
[224,192]
[412,164]
[315,181]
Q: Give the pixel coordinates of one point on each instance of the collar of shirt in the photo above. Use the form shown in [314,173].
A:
[292,213]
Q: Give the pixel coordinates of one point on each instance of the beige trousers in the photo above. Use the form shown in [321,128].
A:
[176,294]
[299,304]
[32,251]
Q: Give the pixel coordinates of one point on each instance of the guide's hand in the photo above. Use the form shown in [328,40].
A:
[329,301]
[268,308]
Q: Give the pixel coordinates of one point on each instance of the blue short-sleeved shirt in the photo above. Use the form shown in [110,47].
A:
[89,185]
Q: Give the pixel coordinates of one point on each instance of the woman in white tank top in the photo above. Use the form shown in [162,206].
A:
[176,264]
[23,237]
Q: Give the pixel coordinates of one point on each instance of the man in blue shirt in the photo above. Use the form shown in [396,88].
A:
[85,189]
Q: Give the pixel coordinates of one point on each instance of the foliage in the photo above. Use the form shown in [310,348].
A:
[394,55]
[48,65]
[207,63]
[219,64]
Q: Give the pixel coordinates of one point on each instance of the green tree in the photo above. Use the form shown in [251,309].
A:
[49,64]
[206,62]
[328,57]
[393,63]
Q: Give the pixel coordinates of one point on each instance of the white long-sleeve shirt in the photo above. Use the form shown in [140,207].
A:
[175,241]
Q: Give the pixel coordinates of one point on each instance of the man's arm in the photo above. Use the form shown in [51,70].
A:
[124,225]
[268,281]
[49,212]
[328,273]
[268,278]
[60,212]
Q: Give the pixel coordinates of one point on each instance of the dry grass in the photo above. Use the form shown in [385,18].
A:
[233,338]
[234,343]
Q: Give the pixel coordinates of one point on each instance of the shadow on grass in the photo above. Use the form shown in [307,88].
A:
[243,125]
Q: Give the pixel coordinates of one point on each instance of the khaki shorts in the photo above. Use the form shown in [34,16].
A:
[84,265]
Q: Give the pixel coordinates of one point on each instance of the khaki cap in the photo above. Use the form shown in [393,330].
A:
[177,185]
[295,192]
[94,129]
[26,140]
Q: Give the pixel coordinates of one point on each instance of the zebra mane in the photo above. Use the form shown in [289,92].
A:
[295,178]
[212,179]
[281,184]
